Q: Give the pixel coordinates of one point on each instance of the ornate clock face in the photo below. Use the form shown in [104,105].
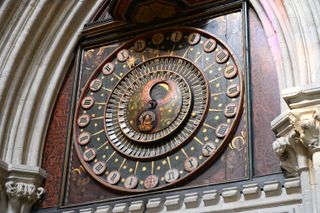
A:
[158,109]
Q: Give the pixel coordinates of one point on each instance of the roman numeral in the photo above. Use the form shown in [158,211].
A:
[123,55]
[233,91]
[157,38]
[83,120]
[209,45]
[99,168]
[131,182]
[176,36]
[87,102]
[84,138]
[222,56]
[208,149]
[230,72]
[139,45]
[190,164]
[113,177]
[222,130]
[89,154]
[108,68]
[95,85]
[230,110]
[170,175]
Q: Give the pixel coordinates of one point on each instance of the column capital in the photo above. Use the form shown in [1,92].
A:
[22,185]
[298,129]
[24,191]
[22,196]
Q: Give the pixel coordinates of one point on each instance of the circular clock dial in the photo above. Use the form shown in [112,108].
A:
[158,109]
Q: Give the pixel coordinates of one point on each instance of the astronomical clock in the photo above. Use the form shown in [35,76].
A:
[157,107]
[152,98]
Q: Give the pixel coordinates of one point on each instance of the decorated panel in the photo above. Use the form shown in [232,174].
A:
[160,110]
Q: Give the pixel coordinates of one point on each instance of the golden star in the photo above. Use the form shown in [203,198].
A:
[131,61]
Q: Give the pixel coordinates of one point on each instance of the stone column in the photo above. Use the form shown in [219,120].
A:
[298,141]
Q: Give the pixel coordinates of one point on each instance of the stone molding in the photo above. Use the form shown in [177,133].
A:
[245,198]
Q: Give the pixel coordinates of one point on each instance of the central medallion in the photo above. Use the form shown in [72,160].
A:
[151,110]
[154,106]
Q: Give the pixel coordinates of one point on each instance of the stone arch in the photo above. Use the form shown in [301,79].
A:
[38,40]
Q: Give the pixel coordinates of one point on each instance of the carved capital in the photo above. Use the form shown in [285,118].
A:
[298,130]
[22,195]
[25,191]
[307,129]
[302,132]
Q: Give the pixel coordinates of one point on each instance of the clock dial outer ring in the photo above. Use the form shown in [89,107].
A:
[192,174]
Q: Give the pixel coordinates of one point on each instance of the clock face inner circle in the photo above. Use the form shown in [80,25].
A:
[153,102]
[159,104]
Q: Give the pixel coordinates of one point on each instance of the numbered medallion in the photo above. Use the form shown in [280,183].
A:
[83,120]
[209,45]
[139,45]
[208,149]
[157,38]
[222,130]
[233,91]
[84,138]
[123,55]
[89,154]
[87,102]
[114,177]
[108,69]
[151,182]
[222,56]
[131,182]
[99,167]
[176,36]
[230,110]
[191,164]
[171,175]
[95,85]
[194,38]
[230,72]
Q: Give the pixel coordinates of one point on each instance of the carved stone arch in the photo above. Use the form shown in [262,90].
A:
[38,39]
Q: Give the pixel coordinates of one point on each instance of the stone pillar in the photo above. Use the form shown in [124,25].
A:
[298,141]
